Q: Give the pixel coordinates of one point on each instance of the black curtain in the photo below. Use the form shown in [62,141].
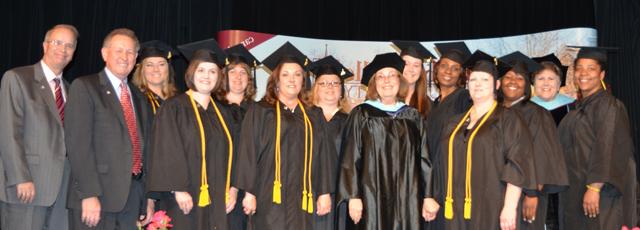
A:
[618,24]
[175,22]
[178,22]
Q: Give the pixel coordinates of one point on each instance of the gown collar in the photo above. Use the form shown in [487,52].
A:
[558,101]
[387,108]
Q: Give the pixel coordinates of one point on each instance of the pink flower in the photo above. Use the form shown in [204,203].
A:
[160,221]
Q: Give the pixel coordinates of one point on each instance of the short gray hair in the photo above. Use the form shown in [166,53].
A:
[124,32]
[62,26]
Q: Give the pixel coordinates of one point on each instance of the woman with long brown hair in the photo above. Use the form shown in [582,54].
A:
[191,149]
[286,160]
[414,55]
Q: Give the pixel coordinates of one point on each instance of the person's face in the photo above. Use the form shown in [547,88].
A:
[481,86]
[155,71]
[448,72]
[120,55]
[512,86]
[412,69]
[205,77]
[238,79]
[587,75]
[59,48]
[290,82]
[547,85]
[328,89]
[387,83]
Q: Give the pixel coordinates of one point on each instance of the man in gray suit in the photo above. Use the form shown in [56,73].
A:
[32,147]
[107,122]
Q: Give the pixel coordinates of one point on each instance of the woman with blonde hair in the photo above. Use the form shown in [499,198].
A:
[154,75]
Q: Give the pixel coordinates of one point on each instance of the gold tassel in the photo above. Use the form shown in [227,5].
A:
[467,209]
[204,199]
[448,208]
[277,198]
[310,203]
[604,86]
[304,200]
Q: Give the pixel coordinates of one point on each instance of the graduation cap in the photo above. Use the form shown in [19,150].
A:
[521,63]
[481,61]
[329,65]
[381,61]
[595,53]
[413,49]
[239,53]
[286,52]
[455,51]
[206,50]
[156,48]
[552,58]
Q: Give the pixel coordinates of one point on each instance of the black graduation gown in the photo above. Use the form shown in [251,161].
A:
[502,153]
[161,198]
[385,163]
[175,161]
[334,129]
[237,217]
[550,167]
[560,112]
[456,103]
[256,164]
[598,148]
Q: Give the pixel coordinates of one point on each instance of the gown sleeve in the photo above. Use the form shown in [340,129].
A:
[550,166]
[519,168]
[325,152]
[351,165]
[613,149]
[248,150]
[168,166]
[426,166]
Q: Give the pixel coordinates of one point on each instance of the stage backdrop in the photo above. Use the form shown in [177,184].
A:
[356,54]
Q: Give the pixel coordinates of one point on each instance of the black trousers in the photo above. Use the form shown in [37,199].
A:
[125,219]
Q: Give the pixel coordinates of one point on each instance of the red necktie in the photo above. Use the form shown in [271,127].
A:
[130,118]
[59,98]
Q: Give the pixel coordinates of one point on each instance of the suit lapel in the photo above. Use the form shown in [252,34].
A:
[111,97]
[45,90]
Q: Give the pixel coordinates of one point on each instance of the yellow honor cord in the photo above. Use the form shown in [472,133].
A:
[230,141]
[307,202]
[448,208]
[204,198]
[277,197]
[307,194]
[154,102]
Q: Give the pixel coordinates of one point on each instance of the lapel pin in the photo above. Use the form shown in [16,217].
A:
[108,92]
[42,87]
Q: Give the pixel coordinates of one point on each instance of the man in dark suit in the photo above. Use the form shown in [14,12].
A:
[32,148]
[107,120]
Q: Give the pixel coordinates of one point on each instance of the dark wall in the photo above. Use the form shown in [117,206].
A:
[177,22]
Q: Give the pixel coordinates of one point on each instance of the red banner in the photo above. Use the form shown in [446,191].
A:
[229,38]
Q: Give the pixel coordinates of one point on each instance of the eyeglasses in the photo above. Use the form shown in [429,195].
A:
[60,44]
[329,84]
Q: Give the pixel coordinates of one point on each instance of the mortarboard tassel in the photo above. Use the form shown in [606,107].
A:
[604,86]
